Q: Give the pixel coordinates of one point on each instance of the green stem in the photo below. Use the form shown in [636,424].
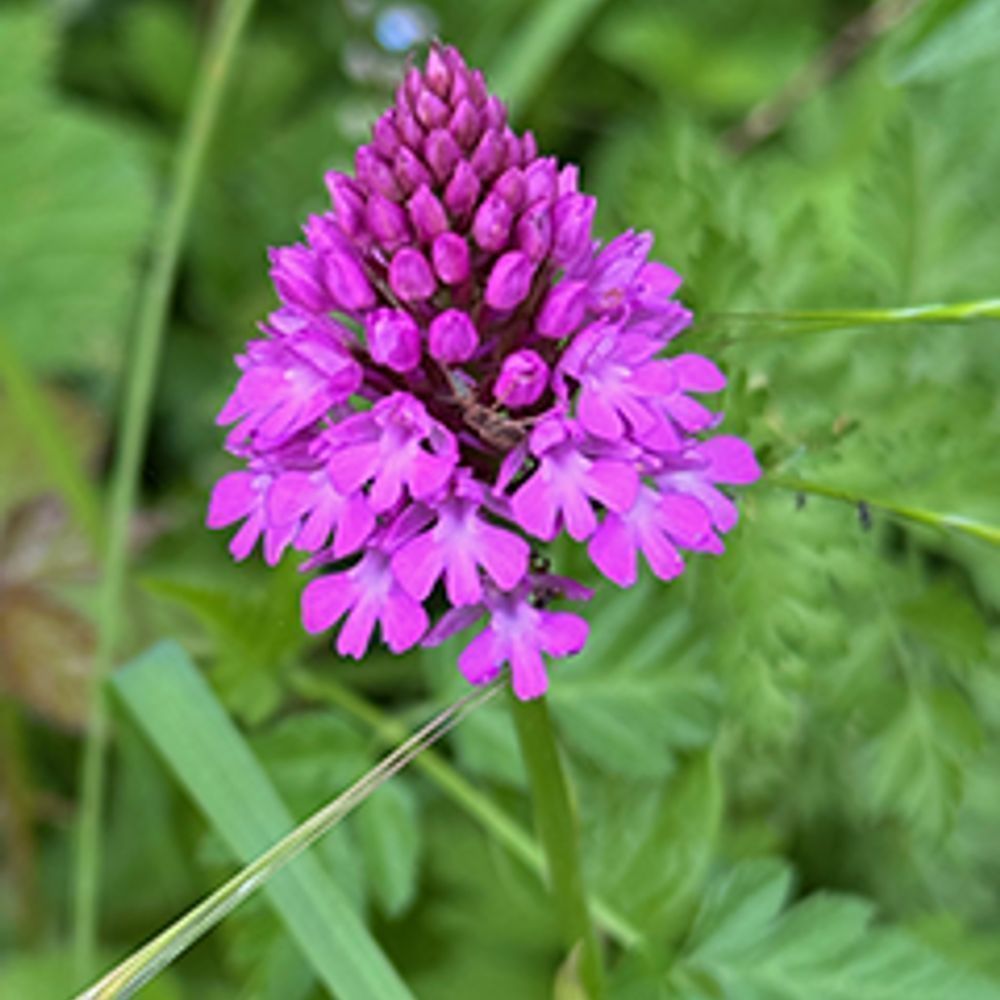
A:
[140,382]
[985,532]
[558,832]
[793,323]
[141,966]
[506,831]
[546,36]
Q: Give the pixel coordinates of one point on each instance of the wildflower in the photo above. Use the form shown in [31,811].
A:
[459,372]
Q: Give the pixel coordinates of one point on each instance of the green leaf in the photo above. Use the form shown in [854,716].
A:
[652,863]
[747,946]
[75,199]
[389,830]
[916,765]
[948,36]
[179,713]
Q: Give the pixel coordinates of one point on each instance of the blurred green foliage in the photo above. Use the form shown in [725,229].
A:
[785,761]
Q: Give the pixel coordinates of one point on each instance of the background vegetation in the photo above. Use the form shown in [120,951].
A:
[786,762]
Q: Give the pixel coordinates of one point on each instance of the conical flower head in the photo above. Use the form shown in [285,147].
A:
[458,373]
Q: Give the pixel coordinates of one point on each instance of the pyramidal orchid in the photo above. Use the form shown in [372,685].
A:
[457,373]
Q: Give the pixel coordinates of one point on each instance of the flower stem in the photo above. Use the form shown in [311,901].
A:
[798,322]
[136,405]
[504,830]
[558,832]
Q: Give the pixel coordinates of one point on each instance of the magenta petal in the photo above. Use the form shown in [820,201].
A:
[404,621]
[534,507]
[461,577]
[698,374]
[504,556]
[354,527]
[354,466]
[598,415]
[578,515]
[233,497]
[480,660]
[428,473]
[613,552]
[325,600]
[418,564]
[684,519]
[563,633]
[663,558]
[289,497]
[730,460]
[528,672]
[356,633]
[613,483]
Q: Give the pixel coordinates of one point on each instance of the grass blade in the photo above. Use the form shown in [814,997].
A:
[199,742]
[136,404]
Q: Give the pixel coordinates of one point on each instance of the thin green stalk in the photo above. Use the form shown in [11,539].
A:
[140,967]
[41,423]
[547,34]
[955,522]
[557,830]
[506,831]
[140,382]
[795,322]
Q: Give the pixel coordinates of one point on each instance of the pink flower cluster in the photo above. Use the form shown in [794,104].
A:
[458,372]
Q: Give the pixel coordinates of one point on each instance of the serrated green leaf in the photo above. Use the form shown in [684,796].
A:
[916,765]
[822,948]
[949,36]
[75,199]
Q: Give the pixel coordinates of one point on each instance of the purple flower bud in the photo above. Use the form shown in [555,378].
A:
[491,226]
[384,135]
[534,230]
[494,113]
[441,152]
[563,309]
[295,273]
[427,214]
[462,191]
[347,282]
[477,88]
[387,221]
[410,171]
[412,85]
[522,380]
[393,339]
[465,124]
[569,179]
[451,258]
[511,187]
[430,110]
[488,158]
[540,180]
[511,148]
[571,218]
[529,147]
[348,203]
[510,280]
[437,74]
[410,276]
[374,173]
[452,337]
[409,129]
